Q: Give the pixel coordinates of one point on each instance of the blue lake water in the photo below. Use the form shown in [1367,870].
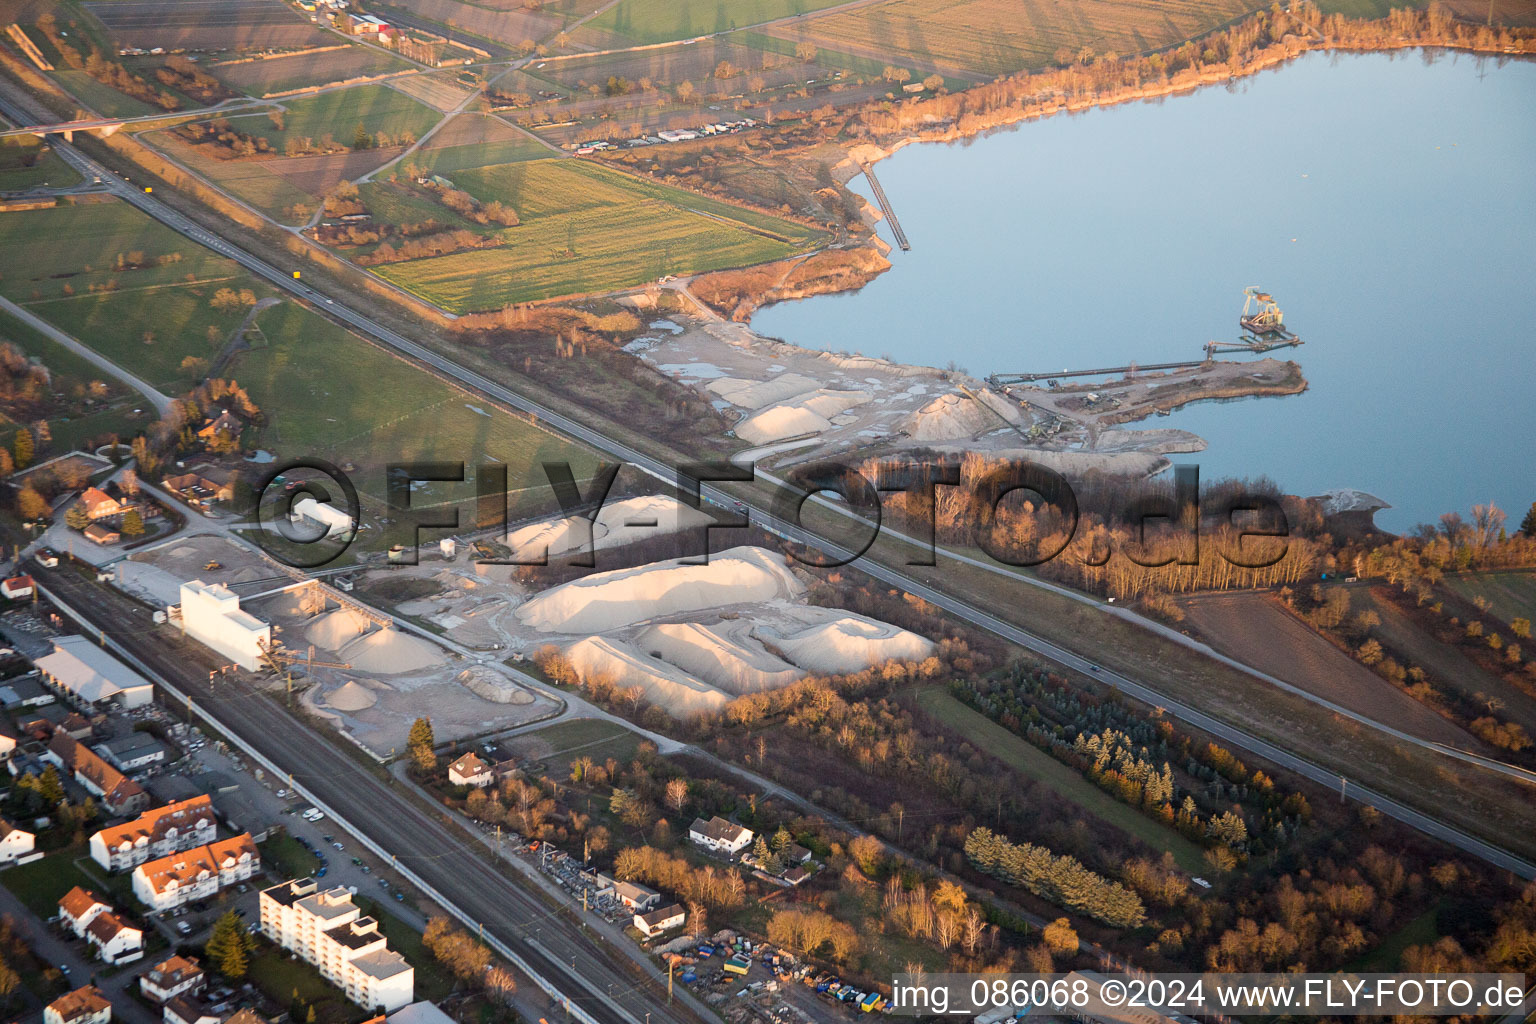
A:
[1387,201]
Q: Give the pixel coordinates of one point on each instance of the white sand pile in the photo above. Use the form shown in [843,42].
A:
[611,600]
[491,685]
[618,523]
[829,403]
[388,651]
[351,696]
[779,423]
[619,662]
[950,417]
[851,644]
[754,394]
[722,656]
[334,630]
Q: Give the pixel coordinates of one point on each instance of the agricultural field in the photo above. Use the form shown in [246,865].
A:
[328,393]
[997,37]
[378,108]
[660,21]
[442,91]
[25,164]
[255,182]
[147,314]
[1029,760]
[1510,595]
[476,140]
[312,68]
[509,26]
[586,228]
[1447,667]
[205,24]
[1256,631]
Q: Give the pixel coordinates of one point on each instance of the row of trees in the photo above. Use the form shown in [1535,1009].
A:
[1062,880]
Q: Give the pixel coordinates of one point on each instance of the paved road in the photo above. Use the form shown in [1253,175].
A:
[374,811]
[976,617]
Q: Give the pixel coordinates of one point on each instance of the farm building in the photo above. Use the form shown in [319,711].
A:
[335,521]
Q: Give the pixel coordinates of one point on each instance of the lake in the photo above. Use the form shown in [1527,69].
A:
[1387,201]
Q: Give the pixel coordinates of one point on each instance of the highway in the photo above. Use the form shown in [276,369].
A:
[617,449]
[378,812]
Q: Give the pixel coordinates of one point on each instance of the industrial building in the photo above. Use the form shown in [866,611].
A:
[211,615]
[81,670]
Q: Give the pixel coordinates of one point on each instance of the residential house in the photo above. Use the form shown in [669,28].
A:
[187,1009]
[203,486]
[78,908]
[17,588]
[720,836]
[197,873]
[797,874]
[86,673]
[7,736]
[118,793]
[115,940]
[132,752]
[328,930]
[103,535]
[225,424]
[471,770]
[101,505]
[170,978]
[15,843]
[658,921]
[82,1006]
[794,853]
[155,833]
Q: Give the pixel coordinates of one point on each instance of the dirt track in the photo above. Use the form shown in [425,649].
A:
[1251,628]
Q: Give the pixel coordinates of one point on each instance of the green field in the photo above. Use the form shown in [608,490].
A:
[449,160]
[68,371]
[337,113]
[1510,595]
[1028,759]
[560,744]
[150,318]
[586,228]
[102,98]
[328,393]
[658,21]
[23,166]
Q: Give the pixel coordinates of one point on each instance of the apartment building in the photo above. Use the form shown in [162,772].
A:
[327,929]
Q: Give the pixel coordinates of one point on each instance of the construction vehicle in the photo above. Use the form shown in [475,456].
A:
[212,565]
[1261,314]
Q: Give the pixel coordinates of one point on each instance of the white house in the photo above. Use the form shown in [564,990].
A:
[658,921]
[115,940]
[335,521]
[155,833]
[195,874]
[82,1006]
[17,588]
[170,978]
[327,929]
[15,843]
[211,615]
[78,908]
[89,674]
[471,770]
[719,836]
